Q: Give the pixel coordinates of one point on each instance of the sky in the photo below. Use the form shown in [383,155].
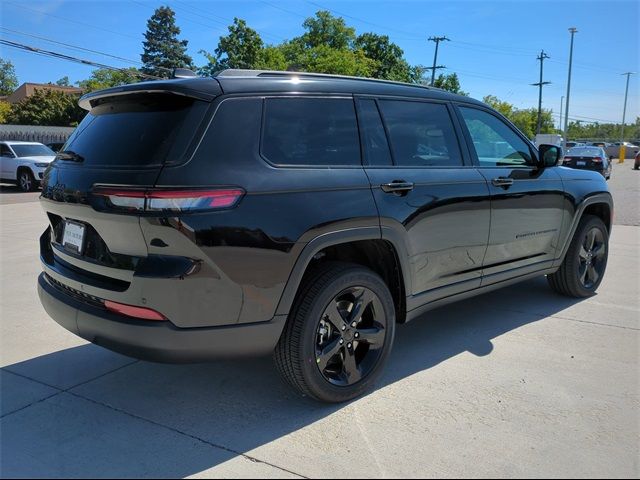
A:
[493,45]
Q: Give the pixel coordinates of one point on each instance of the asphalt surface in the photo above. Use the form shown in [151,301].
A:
[517,382]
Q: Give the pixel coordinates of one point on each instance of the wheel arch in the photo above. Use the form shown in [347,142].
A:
[367,246]
[600,205]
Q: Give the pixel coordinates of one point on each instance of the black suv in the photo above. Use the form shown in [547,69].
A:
[301,214]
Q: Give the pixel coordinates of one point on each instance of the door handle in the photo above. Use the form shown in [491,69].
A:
[397,186]
[504,182]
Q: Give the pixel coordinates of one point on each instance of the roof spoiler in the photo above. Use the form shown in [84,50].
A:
[200,88]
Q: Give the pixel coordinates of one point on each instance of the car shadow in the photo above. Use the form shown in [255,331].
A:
[158,417]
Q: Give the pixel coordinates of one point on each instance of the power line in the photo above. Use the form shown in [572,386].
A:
[70,20]
[437,41]
[62,56]
[68,45]
[540,84]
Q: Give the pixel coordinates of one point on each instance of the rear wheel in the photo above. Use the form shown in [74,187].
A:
[339,333]
[26,181]
[585,262]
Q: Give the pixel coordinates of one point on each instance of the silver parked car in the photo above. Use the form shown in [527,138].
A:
[23,163]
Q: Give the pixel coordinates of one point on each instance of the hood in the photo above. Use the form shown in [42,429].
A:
[46,158]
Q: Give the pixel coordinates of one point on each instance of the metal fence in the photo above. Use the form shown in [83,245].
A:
[31,133]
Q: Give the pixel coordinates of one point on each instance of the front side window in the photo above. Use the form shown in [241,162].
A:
[421,134]
[495,142]
[33,150]
[310,132]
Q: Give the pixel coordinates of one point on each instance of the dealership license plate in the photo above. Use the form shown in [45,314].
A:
[581,164]
[73,237]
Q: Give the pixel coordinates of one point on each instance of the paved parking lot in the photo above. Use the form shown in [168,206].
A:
[517,382]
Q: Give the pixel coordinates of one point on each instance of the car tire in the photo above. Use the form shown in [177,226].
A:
[333,293]
[26,180]
[585,262]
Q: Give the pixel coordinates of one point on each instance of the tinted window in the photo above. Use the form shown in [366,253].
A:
[376,147]
[585,152]
[35,150]
[495,142]
[5,151]
[137,130]
[421,134]
[310,131]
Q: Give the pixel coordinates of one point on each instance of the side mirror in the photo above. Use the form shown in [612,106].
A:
[549,155]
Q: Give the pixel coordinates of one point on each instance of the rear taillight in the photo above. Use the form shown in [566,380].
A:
[161,200]
[597,159]
[567,159]
[133,311]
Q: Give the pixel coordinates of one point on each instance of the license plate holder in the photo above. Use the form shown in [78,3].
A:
[581,163]
[73,236]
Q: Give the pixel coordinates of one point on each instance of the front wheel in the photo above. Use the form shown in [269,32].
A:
[585,262]
[26,180]
[339,333]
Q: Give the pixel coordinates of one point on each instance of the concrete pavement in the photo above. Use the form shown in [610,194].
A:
[518,382]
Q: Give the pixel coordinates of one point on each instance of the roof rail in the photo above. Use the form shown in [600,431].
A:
[235,72]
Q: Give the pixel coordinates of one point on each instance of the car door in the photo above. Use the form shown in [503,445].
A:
[526,201]
[7,162]
[427,192]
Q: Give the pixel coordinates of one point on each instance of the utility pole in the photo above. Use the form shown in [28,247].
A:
[540,84]
[561,102]
[624,115]
[573,31]
[435,57]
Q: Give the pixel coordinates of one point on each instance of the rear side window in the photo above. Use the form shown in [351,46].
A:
[137,130]
[310,131]
[421,134]
[374,138]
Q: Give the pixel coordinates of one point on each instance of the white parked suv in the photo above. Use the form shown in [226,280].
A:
[23,163]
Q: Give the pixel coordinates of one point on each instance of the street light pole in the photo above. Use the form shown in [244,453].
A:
[624,115]
[561,102]
[573,30]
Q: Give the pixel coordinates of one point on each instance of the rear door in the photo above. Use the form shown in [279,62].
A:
[526,202]
[122,142]
[428,192]
[7,162]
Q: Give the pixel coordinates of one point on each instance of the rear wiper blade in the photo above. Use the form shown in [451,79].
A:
[70,155]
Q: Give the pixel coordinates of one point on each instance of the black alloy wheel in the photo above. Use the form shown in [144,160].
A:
[593,250]
[350,336]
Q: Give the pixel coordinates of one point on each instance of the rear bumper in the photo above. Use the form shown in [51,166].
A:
[157,341]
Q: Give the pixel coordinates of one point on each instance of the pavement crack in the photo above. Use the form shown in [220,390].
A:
[180,432]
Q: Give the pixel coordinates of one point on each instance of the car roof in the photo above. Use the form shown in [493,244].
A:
[235,81]
[19,142]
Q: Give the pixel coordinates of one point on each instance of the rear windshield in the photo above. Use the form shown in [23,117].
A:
[34,150]
[584,152]
[137,130]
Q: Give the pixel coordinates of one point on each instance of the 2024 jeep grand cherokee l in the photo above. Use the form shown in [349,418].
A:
[304,214]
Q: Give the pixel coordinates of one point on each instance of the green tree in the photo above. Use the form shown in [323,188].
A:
[390,63]
[272,58]
[63,82]
[525,119]
[162,50]
[326,30]
[449,83]
[8,78]
[47,107]
[5,111]
[241,48]
[107,78]
[494,102]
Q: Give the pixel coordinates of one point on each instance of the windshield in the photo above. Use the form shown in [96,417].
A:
[585,152]
[136,130]
[32,150]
